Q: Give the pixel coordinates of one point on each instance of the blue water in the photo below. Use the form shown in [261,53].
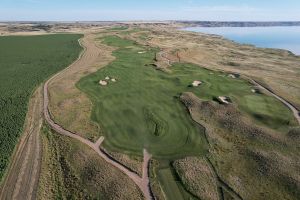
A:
[284,37]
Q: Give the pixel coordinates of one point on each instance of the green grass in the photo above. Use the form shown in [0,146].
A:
[171,184]
[131,30]
[265,110]
[25,62]
[118,28]
[113,40]
[142,109]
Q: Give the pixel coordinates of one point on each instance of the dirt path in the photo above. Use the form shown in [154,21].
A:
[21,181]
[84,59]
[289,105]
[145,179]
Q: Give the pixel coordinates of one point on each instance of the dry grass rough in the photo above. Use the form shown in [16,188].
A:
[197,176]
[72,171]
[256,162]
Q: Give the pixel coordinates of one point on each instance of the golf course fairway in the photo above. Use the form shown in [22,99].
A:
[142,108]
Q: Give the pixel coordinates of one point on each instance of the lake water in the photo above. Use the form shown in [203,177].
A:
[284,37]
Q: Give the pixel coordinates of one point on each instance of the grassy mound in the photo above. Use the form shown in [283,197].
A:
[25,62]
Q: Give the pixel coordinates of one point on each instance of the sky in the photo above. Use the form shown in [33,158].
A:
[124,10]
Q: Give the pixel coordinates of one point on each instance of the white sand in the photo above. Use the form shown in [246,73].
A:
[196,83]
[223,99]
[103,83]
[231,76]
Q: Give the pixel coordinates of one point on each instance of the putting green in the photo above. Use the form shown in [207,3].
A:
[142,109]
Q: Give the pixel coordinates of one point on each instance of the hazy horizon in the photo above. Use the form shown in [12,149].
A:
[162,21]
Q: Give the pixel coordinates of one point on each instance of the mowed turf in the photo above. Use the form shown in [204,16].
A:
[25,62]
[142,109]
[265,110]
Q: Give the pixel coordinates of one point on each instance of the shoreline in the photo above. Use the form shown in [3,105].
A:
[232,38]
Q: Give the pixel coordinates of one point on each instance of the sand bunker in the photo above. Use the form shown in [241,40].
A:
[256,90]
[233,75]
[106,81]
[103,83]
[224,99]
[196,83]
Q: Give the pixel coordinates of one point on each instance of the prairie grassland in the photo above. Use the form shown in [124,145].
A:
[256,162]
[196,174]
[72,171]
[69,106]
